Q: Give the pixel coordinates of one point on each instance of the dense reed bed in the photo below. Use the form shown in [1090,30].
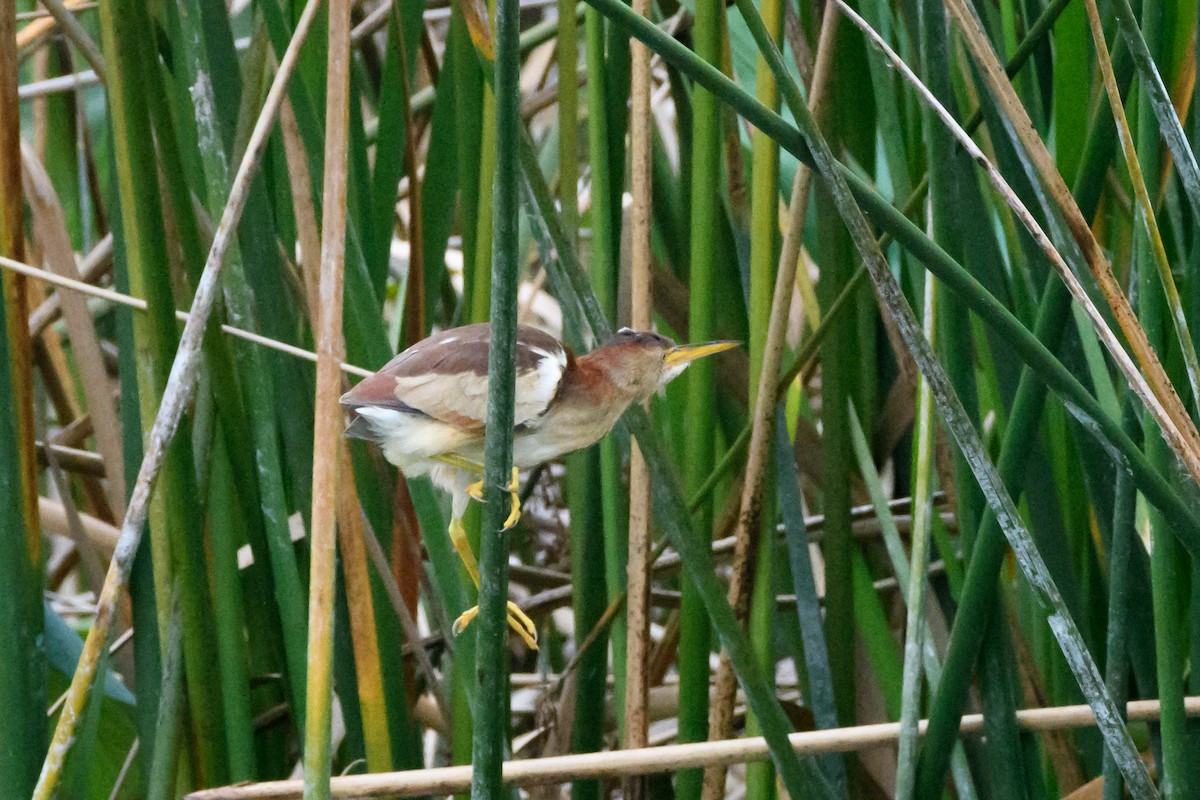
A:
[950,478]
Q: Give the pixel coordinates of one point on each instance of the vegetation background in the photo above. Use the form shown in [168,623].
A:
[954,469]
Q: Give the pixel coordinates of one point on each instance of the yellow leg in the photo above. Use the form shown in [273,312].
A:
[465,464]
[458,538]
[518,620]
[475,490]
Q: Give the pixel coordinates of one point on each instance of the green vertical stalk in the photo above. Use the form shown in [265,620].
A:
[568,117]
[252,370]
[836,359]
[914,627]
[764,236]
[227,605]
[1168,561]
[1120,551]
[599,504]
[695,630]
[482,267]
[145,251]
[22,668]
[492,717]
[902,569]
[947,184]
[468,125]
[585,492]
[162,766]
[177,546]
[588,603]
[602,264]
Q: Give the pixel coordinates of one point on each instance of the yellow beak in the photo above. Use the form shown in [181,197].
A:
[687,353]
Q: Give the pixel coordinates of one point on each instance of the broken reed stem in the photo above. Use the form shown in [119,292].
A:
[637,608]
[649,760]
[183,316]
[77,34]
[327,421]
[180,388]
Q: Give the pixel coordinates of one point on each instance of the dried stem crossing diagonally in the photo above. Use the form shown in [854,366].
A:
[1180,435]
[180,388]
[140,305]
[1145,206]
[648,760]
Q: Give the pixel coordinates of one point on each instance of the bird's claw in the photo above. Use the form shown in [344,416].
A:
[518,620]
[475,492]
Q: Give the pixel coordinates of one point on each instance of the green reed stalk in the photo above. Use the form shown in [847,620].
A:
[915,624]
[1168,561]
[604,255]
[258,391]
[764,227]
[588,602]
[492,717]
[1117,661]
[695,630]
[174,542]
[230,617]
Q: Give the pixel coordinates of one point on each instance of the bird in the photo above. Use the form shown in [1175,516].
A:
[427,409]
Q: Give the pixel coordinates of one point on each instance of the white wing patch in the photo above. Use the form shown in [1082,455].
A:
[461,398]
[536,388]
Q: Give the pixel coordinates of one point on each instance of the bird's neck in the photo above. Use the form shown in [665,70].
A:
[593,376]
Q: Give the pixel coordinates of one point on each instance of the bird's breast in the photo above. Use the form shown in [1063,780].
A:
[563,429]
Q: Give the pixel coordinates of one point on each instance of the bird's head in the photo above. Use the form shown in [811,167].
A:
[641,362]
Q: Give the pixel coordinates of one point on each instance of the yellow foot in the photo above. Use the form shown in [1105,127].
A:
[518,620]
[475,490]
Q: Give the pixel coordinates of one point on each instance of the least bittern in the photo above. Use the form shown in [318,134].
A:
[427,409]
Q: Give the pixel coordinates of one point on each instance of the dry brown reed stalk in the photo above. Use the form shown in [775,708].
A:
[763,420]
[1154,388]
[328,417]
[50,229]
[180,388]
[638,568]
[643,761]
[307,232]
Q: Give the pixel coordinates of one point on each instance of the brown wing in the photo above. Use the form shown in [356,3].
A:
[445,377]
